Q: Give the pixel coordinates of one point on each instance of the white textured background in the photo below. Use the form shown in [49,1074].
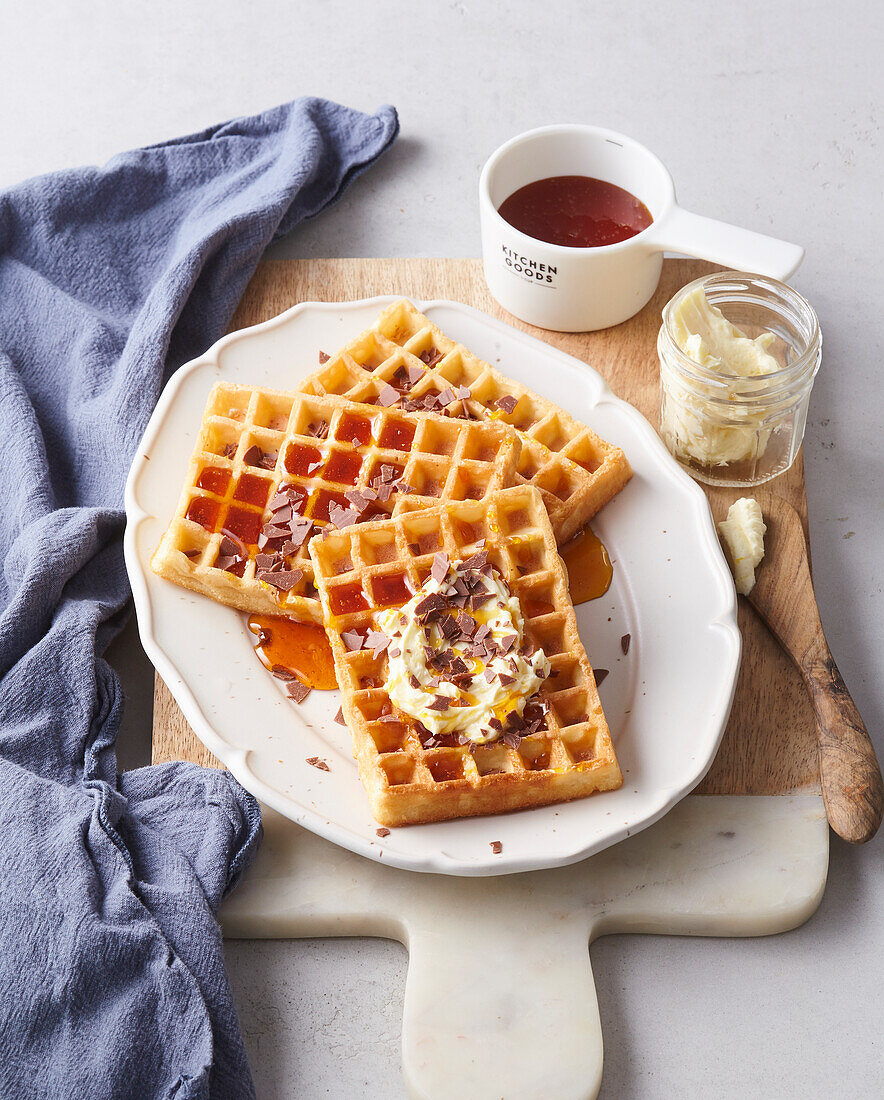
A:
[768,116]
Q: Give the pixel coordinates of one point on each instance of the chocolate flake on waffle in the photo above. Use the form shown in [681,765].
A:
[406,355]
[271,469]
[560,749]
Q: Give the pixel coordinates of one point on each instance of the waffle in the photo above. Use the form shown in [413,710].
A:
[374,565]
[254,441]
[575,470]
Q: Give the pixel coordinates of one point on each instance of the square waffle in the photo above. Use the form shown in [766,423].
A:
[380,564]
[575,470]
[266,463]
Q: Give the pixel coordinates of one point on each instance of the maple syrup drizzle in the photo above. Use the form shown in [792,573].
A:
[575,211]
[589,567]
[391,589]
[301,648]
[214,479]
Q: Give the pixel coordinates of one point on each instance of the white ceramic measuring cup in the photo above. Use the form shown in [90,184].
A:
[577,289]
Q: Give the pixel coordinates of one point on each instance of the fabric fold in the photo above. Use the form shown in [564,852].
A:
[111,965]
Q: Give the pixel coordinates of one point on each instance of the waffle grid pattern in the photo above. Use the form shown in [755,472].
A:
[575,470]
[228,489]
[363,569]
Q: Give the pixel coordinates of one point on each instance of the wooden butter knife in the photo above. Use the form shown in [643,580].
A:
[783,596]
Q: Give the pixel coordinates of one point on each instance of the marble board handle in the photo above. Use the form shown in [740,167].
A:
[500,998]
[503,1009]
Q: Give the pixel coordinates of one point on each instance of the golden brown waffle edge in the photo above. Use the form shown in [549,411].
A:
[363,569]
[254,440]
[575,470]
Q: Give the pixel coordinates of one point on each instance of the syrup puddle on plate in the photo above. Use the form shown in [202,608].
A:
[589,567]
[299,648]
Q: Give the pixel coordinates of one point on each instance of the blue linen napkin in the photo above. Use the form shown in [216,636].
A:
[112,979]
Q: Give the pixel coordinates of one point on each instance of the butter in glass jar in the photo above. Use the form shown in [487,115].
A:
[738,357]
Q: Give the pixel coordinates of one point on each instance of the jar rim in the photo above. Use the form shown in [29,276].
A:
[796,302]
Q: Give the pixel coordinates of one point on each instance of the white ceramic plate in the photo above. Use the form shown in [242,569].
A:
[667,700]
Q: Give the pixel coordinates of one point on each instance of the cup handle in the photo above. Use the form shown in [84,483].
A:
[740,249]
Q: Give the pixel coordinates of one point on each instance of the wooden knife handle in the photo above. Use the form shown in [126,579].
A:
[851,777]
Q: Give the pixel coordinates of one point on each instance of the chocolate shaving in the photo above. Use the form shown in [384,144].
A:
[342,517]
[430,604]
[506,404]
[624,643]
[422,731]
[228,450]
[477,561]
[323,358]
[514,720]
[415,374]
[231,545]
[388,718]
[446,397]
[382,832]
[282,673]
[463,392]
[394,653]
[507,680]
[377,641]
[353,640]
[507,643]
[298,692]
[388,396]
[430,356]
[280,499]
[316,762]
[440,702]
[300,529]
[339,717]
[466,623]
[600,674]
[318,430]
[254,456]
[511,740]
[359,500]
[264,562]
[440,567]
[284,579]
[496,847]
[274,531]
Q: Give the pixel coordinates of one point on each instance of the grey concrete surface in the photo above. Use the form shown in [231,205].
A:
[768,115]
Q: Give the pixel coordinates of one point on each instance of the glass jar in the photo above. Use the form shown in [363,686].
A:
[727,429]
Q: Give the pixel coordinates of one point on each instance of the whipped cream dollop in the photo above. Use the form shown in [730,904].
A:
[691,417]
[743,533]
[458,660]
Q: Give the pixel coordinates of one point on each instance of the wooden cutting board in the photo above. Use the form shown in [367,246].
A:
[752,863]
[770,743]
